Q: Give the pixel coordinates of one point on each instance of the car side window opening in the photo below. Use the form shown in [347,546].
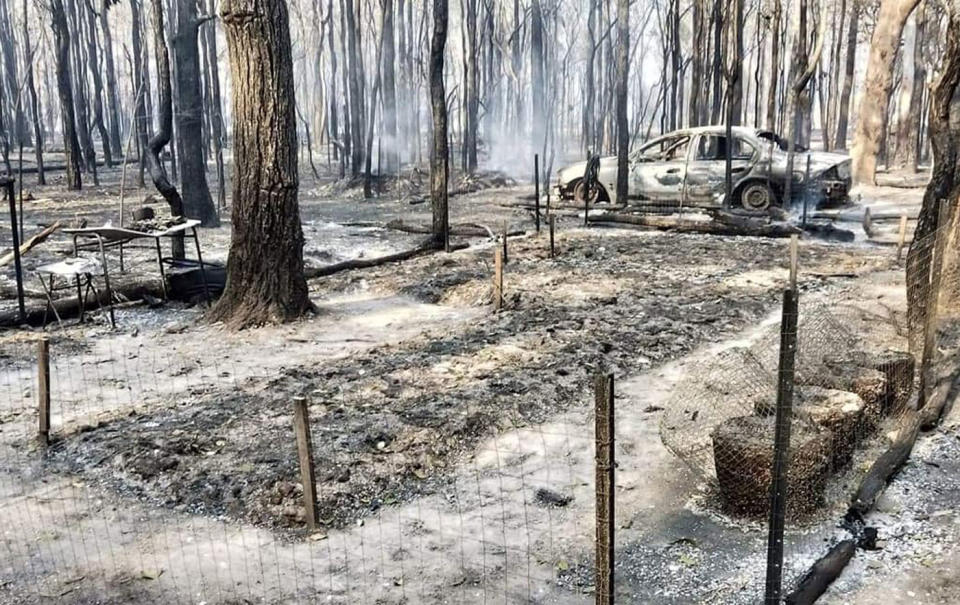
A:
[664,149]
[714,147]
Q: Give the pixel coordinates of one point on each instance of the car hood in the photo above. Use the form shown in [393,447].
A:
[821,161]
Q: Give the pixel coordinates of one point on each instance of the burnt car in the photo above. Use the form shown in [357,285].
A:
[688,168]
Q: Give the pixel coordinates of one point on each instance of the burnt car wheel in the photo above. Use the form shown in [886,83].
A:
[580,193]
[756,196]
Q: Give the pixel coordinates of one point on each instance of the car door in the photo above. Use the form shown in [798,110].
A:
[657,171]
[706,173]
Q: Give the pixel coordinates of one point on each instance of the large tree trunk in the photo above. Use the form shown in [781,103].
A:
[34,101]
[472,94]
[265,279]
[113,105]
[61,41]
[943,187]
[216,104]
[774,65]
[165,124]
[538,127]
[439,152]
[843,110]
[20,131]
[355,83]
[93,62]
[878,86]
[197,202]
[80,93]
[389,87]
[141,83]
[623,75]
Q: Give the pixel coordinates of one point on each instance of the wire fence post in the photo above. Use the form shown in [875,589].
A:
[43,389]
[933,297]
[301,425]
[536,188]
[781,445]
[553,228]
[902,238]
[497,279]
[604,436]
[794,260]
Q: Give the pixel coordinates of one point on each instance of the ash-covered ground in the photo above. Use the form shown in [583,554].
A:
[423,405]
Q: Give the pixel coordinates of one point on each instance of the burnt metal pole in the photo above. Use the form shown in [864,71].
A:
[536,189]
[15,232]
[781,446]
[604,413]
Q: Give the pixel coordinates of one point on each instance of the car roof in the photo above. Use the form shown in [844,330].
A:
[715,129]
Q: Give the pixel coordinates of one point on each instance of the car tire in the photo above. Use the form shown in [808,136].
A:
[579,193]
[756,196]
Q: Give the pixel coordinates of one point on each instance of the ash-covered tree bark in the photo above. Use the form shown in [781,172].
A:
[623,69]
[472,94]
[34,101]
[944,185]
[878,86]
[197,202]
[20,131]
[850,64]
[113,105]
[141,85]
[61,42]
[160,139]
[439,152]
[93,63]
[389,86]
[215,103]
[265,278]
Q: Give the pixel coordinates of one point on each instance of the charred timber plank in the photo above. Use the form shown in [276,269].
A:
[366,263]
[822,574]
[887,465]
[729,225]
[30,244]
[69,307]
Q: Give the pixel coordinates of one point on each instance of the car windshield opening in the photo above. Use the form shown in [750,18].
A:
[714,147]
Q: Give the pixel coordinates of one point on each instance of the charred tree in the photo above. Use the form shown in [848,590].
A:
[878,86]
[215,103]
[389,86]
[265,277]
[439,150]
[113,104]
[843,109]
[34,101]
[21,135]
[943,186]
[141,83]
[61,41]
[623,75]
[196,199]
[355,83]
[160,139]
[93,63]
[774,64]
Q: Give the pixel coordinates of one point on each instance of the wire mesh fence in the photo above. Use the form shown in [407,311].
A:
[174,470]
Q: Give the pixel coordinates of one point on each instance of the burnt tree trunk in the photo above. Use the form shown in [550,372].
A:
[141,84]
[216,104]
[943,185]
[93,62]
[61,41]
[113,105]
[265,278]
[774,65]
[34,101]
[891,17]
[79,84]
[161,138]
[196,200]
[843,110]
[389,88]
[623,74]
[439,151]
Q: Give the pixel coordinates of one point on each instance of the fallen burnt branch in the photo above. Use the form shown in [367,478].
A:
[727,225]
[822,574]
[886,466]
[31,243]
[69,307]
[365,263]
[462,230]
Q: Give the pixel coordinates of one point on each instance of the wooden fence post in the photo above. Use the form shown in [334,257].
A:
[553,227]
[43,389]
[536,188]
[901,240]
[301,426]
[604,436]
[927,375]
[497,279]
[794,260]
[781,446]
